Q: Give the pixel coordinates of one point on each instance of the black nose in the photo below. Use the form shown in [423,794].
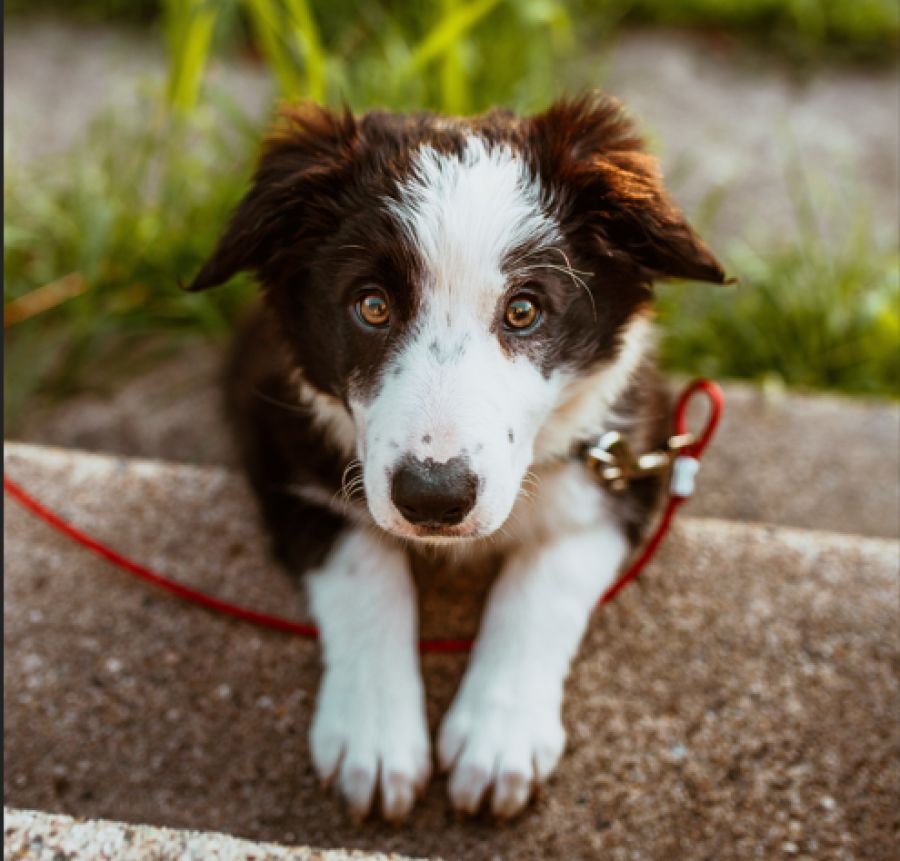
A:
[434,494]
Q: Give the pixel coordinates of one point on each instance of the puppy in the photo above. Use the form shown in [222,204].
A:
[452,307]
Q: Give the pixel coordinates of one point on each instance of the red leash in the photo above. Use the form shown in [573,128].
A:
[684,468]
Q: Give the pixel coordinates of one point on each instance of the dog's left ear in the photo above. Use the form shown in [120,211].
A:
[590,150]
[289,194]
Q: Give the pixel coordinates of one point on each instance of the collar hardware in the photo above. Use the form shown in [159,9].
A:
[613,463]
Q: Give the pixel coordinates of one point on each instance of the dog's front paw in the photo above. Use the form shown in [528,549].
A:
[509,743]
[369,734]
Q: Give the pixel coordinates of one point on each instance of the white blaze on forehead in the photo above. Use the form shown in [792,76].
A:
[465,213]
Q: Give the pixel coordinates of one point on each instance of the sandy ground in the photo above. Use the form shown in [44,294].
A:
[728,124]
[742,704]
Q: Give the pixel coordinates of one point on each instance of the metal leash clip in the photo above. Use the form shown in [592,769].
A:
[612,461]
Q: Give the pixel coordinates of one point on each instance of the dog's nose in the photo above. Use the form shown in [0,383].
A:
[427,493]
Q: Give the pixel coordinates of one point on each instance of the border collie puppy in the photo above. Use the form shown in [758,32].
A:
[451,307]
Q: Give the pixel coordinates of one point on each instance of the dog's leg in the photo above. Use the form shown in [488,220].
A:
[369,730]
[504,728]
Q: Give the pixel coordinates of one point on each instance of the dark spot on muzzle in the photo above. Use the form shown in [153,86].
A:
[434,494]
[448,353]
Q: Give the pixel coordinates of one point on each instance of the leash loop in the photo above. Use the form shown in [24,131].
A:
[716,402]
[687,450]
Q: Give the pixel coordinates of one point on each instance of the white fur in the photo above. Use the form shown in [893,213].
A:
[369,726]
[466,214]
[453,391]
[504,729]
[467,409]
[330,415]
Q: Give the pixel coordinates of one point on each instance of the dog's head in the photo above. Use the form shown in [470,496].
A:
[458,288]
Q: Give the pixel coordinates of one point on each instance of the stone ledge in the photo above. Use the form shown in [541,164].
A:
[30,835]
[742,704]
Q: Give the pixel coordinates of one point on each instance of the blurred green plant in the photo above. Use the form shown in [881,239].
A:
[189,26]
[458,56]
[803,31]
[819,311]
[98,239]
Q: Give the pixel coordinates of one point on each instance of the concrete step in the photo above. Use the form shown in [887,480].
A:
[741,704]
[813,461]
[31,835]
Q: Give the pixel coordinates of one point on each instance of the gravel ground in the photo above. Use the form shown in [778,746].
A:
[725,121]
[60,74]
[741,705]
[732,124]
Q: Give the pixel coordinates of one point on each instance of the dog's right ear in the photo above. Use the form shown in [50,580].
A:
[301,158]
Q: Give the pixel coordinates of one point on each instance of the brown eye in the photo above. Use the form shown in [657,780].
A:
[373,309]
[522,313]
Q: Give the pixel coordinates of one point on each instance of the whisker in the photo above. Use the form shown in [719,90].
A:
[575,275]
[568,269]
[353,490]
[351,465]
[533,477]
[276,402]
[569,266]
[514,263]
[350,483]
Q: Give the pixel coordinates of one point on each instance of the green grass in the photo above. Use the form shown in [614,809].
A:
[818,310]
[803,31]
[131,211]
[808,314]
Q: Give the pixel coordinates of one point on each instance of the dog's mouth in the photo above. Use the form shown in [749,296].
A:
[481,522]
[443,534]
